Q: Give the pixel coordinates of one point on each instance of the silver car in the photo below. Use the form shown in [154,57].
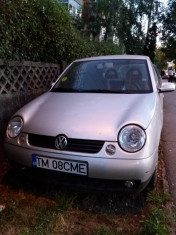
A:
[100,122]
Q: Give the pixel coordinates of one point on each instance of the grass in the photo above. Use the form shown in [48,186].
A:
[53,211]
[103,230]
[156,223]
[159,219]
[65,200]
[59,216]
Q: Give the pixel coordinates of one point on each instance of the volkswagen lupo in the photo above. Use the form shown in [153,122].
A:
[100,123]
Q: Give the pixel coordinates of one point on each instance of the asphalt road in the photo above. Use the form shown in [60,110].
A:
[169,141]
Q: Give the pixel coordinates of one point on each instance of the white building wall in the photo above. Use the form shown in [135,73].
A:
[73,5]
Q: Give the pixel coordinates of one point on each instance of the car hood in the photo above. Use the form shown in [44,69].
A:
[87,115]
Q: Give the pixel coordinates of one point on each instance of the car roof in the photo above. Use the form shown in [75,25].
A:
[110,57]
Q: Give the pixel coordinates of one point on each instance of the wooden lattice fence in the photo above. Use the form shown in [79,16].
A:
[20,82]
[24,76]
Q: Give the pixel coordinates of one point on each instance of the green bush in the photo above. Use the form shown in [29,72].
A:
[42,30]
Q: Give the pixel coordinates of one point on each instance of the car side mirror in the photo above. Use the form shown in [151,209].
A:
[167,87]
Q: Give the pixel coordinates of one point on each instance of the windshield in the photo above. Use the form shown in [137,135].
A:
[106,76]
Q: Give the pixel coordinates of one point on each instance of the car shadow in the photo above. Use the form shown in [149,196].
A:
[86,199]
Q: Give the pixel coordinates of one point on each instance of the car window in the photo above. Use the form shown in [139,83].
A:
[117,75]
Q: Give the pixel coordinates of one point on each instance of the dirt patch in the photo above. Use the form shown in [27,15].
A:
[35,207]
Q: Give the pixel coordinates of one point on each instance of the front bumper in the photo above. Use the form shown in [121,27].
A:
[102,169]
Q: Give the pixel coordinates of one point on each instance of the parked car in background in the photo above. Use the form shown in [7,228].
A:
[100,123]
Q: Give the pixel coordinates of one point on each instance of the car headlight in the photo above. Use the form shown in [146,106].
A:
[132,138]
[14,127]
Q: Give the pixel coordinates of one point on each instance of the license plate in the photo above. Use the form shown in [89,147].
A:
[69,166]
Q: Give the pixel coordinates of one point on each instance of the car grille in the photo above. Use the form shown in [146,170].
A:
[75,145]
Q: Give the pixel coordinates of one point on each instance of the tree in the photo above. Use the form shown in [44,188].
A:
[123,19]
[130,32]
[101,15]
[160,59]
[150,43]
[169,30]
[43,30]
[34,30]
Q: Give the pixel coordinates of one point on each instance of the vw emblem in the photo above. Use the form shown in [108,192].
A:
[60,142]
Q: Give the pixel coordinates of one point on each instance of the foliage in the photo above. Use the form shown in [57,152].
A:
[103,230]
[169,29]
[124,20]
[40,30]
[105,18]
[149,47]
[143,35]
[76,20]
[130,32]
[34,30]
[160,59]
[156,224]
[107,48]
[64,200]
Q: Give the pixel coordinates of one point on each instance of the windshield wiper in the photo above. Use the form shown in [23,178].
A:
[78,90]
[90,91]
[64,90]
[110,91]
